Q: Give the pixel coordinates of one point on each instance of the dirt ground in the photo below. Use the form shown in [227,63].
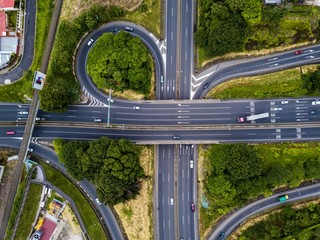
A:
[136,215]
[5,185]
[72,8]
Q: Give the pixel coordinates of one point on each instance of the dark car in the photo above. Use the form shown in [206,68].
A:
[206,86]
[297,52]
[313,112]
[11,132]
[193,207]
[114,30]
[222,235]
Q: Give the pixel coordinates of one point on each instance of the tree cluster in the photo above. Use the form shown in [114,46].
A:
[312,81]
[112,165]
[236,25]
[288,223]
[120,61]
[238,172]
[61,87]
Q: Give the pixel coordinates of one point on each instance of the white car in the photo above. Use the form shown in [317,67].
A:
[284,102]
[191,163]
[23,112]
[90,42]
[317,102]
[30,149]
[98,201]
[171,201]
[136,107]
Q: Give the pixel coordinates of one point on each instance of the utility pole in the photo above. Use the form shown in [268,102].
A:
[109,102]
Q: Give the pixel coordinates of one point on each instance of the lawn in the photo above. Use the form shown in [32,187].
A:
[20,90]
[29,211]
[287,83]
[91,222]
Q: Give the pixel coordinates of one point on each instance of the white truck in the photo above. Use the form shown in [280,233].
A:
[253,117]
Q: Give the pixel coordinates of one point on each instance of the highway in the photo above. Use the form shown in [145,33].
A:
[266,204]
[176,113]
[222,72]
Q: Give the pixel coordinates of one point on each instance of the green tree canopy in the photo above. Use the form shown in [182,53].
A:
[120,61]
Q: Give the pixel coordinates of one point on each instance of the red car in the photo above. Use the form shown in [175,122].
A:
[11,132]
[297,52]
[193,207]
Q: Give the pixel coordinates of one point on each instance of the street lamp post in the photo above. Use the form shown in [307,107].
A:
[109,102]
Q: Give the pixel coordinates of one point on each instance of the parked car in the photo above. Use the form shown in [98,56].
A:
[130,29]
[193,207]
[313,112]
[316,102]
[11,132]
[90,42]
[297,52]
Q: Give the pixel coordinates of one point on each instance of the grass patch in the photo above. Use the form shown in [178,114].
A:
[91,222]
[16,204]
[136,214]
[18,91]
[287,83]
[147,15]
[29,211]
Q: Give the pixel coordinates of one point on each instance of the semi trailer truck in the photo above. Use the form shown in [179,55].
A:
[253,117]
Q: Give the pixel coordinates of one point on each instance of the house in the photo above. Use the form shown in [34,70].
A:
[7,5]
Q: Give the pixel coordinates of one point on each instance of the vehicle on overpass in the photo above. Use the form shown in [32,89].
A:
[253,117]
[283,198]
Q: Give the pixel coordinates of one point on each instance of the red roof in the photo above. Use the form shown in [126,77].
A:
[6,3]
[2,23]
[47,227]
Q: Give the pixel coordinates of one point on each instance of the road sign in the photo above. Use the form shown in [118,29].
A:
[38,80]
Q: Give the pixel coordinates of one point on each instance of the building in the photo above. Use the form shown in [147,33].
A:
[7,5]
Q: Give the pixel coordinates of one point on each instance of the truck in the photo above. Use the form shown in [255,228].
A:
[253,117]
[283,198]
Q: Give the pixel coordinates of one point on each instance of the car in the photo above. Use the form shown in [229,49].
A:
[127,28]
[191,163]
[11,132]
[37,119]
[193,207]
[284,102]
[297,52]
[176,137]
[30,149]
[136,107]
[222,234]
[313,112]
[171,201]
[97,120]
[98,201]
[206,86]
[90,42]
[241,119]
[40,119]
[23,112]
[161,79]
[316,102]
[115,30]
[110,100]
